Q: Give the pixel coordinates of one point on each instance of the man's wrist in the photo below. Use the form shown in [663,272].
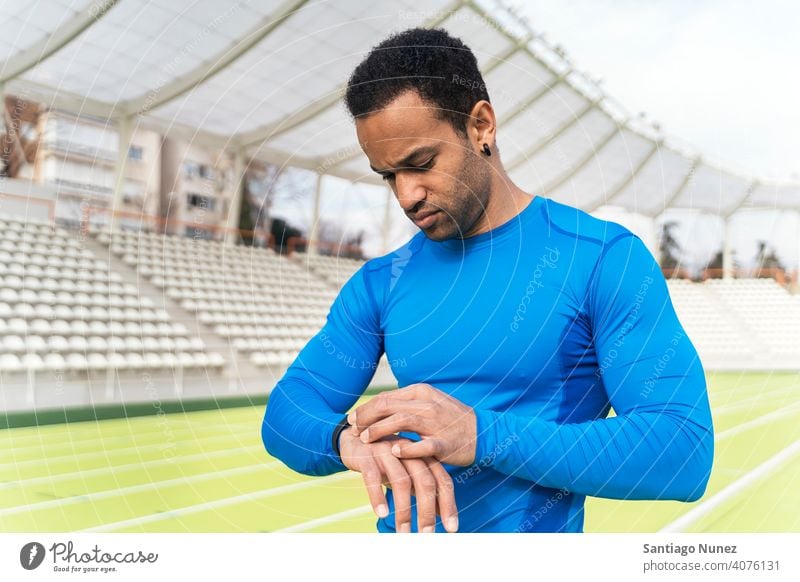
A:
[337,433]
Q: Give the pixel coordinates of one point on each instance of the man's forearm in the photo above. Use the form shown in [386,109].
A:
[297,429]
[655,454]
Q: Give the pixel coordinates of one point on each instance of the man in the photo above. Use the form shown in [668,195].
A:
[521,322]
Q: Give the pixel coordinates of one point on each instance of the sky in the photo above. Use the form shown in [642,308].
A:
[718,75]
[721,75]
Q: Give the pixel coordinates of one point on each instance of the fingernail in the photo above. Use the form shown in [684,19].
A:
[383,511]
[396,450]
[351,418]
[452,524]
[428,529]
[365,436]
[404,528]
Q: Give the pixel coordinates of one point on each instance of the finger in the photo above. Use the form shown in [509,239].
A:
[446,498]
[401,484]
[425,490]
[373,481]
[427,447]
[401,421]
[382,406]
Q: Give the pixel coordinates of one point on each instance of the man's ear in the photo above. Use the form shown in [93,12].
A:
[482,125]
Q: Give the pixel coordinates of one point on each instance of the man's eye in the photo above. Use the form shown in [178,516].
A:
[426,166]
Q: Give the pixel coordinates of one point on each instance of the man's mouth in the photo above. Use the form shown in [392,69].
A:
[426,220]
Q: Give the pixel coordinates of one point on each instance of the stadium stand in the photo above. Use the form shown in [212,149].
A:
[82,315]
[64,308]
[265,306]
[740,323]
[335,270]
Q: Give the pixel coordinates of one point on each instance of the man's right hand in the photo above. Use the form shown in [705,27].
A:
[425,478]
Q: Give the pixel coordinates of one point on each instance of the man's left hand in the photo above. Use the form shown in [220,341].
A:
[447,427]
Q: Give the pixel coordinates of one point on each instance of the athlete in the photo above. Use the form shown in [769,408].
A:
[513,323]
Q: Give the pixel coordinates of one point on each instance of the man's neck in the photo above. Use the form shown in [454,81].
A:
[505,202]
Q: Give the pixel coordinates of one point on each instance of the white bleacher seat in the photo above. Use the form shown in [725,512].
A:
[96,361]
[185,359]
[13,344]
[53,361]
[76,361]
[133,343]
[78,343]
[117,360]
[32,362]
[35,343]
[135,360]
[10,363]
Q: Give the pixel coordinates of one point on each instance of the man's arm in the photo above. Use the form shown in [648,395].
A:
[330,373]
[660,445]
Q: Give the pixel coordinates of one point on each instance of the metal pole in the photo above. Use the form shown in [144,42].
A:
[125,131]
[727,257]
[235,206]
[313,231]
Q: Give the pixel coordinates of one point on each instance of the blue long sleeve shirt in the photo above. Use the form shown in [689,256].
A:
[542,325]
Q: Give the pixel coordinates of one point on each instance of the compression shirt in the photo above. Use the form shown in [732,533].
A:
[544,325]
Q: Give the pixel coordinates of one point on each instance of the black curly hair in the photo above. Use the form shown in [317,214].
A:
[439,67]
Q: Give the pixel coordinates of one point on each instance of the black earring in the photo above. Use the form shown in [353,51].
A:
[486,150]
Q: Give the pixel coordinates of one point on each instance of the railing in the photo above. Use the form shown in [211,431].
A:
[786,278]
[160,224]
[49,204]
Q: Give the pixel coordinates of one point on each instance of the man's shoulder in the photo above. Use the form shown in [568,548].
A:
[585,229]
[401,254]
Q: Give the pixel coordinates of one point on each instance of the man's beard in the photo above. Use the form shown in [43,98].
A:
[458,221]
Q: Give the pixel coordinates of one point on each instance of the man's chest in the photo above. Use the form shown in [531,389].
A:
[496,328]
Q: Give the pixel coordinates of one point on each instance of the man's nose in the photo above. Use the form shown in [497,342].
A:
[410,190]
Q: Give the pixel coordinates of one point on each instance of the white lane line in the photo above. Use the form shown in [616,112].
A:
[307,525]
[704,508]
[217,503]
[128,466]
[99,495]
[758,421]
[177,435]
[719,437]
[98,432]
[764,398]
[107,453]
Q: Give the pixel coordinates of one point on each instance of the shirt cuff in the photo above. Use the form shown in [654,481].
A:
[486,440]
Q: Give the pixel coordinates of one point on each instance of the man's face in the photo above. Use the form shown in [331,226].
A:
[439,181]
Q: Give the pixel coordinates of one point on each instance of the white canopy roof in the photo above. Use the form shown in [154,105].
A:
[266,77]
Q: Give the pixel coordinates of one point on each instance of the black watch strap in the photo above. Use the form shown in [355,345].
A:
[343,424]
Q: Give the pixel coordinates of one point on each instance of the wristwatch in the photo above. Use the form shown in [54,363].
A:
[343,424]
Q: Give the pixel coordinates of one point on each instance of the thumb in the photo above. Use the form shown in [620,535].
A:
[423,448]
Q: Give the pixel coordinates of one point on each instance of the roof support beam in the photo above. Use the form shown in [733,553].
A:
[565,176]
[293,120]
[26,59]
[180,85]
[742,199]
[565,125]
[629,178]
[682,186]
